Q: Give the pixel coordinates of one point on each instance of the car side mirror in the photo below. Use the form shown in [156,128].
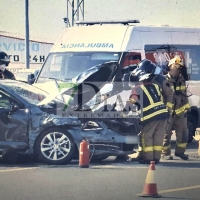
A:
[14,108]
[31,79]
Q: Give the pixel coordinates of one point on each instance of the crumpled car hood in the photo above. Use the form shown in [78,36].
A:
[99,74]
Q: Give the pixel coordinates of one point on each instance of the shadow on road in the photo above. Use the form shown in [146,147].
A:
[194,162]
[74,164]
[25,161]
[181,164]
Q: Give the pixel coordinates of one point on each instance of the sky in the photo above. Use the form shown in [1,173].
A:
[46,16]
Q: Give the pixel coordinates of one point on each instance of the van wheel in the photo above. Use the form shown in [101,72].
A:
[55,146]
[191,124]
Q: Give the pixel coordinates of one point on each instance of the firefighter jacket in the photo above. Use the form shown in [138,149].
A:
[6,74]
[148,99]
[181,103]
[166,90]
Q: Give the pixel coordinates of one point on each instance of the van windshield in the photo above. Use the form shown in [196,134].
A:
[65,66]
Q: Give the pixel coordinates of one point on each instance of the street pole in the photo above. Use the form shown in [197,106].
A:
[67,23]
[77,10]
[27,35]
[72,12]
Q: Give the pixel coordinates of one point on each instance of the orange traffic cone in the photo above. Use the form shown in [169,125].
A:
[150,187]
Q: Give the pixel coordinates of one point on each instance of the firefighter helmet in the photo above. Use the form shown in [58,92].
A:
[144,76]
[176,62]
[139,75]
[146,69]
[4,59]
[147,66]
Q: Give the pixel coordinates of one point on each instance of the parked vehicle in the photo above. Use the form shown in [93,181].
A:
[35,122]
[127,42]
[23,74]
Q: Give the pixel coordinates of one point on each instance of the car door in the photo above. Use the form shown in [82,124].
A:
[13,122]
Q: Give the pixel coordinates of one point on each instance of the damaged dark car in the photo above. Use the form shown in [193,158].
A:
[52,126]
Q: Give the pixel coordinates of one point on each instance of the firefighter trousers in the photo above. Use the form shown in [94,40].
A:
[179,123]
[151,136]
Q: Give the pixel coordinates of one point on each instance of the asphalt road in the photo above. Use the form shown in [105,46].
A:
[108,180]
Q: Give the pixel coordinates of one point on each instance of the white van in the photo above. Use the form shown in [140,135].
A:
[127,42]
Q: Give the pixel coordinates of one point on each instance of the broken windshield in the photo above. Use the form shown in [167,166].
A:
[65,66]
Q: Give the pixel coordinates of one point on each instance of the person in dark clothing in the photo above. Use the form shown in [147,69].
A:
[4,62]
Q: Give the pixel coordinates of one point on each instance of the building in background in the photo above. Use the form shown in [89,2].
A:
[14,45]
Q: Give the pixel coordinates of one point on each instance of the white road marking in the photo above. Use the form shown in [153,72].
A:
[179,189]
[134,166]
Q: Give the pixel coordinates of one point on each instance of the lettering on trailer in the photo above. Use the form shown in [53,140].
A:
[18,46]
[88,45]
[33,58]
[162,57]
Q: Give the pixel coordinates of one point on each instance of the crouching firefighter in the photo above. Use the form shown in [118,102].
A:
[177,76]
[147,67]
[153,116]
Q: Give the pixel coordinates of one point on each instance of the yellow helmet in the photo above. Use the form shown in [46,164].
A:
[176,62]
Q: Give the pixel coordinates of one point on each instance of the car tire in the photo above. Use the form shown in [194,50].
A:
[191,124]
[51,150]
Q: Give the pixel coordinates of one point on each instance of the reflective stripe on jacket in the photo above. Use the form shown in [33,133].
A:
[166,90]
[181,103]
[149,100]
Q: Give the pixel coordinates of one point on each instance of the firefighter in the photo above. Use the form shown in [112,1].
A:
[177,76]
[166,90]
[4,62]
[153,115]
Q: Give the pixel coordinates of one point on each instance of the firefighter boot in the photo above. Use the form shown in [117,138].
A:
[182,156]
[136,156]
[166,157]
[157,161]
[166,150]
[144,162]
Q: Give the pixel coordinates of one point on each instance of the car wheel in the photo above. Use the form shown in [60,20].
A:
[191,124]
[55,146]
